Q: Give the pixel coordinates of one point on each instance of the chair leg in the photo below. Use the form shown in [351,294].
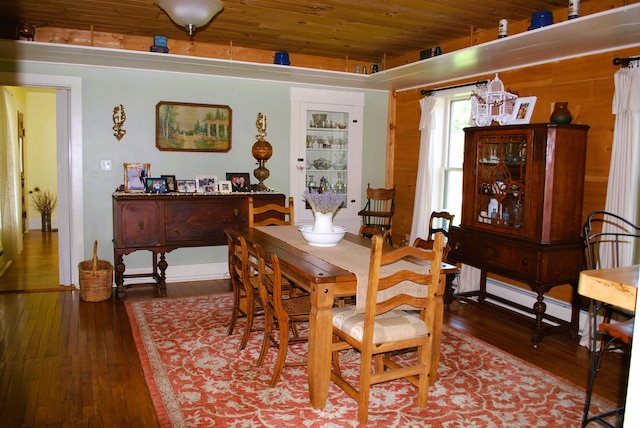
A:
[598,351]
[266,339]
[234,310]
[424,358]
[249,325]
[283,345]
[364,388]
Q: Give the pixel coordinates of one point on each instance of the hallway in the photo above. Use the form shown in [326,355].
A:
[36,269]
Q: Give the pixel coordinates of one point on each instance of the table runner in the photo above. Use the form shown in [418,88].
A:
[352,257]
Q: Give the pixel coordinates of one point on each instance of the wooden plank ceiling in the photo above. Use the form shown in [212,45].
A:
[360,29]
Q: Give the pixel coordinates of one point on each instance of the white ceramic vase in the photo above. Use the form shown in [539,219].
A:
[323,222]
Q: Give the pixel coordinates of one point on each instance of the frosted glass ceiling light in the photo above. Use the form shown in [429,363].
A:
[191,14]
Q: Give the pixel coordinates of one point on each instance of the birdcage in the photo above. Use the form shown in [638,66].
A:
[494,103]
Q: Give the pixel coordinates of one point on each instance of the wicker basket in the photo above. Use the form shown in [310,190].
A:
[96,278]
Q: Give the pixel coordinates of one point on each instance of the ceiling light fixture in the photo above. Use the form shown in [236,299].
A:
[191,14]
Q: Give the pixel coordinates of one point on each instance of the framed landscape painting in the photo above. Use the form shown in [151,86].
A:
[193,127]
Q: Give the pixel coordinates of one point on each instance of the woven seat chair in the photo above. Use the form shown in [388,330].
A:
[280,313]
[383,328]
[607,237]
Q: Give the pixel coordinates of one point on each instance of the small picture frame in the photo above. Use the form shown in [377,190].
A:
[156,185]
[522,110]
[186,186]
[135,175]
[224,186]
[240,181]
[171,183]
[206,183]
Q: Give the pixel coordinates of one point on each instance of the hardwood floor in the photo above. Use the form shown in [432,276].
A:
[64,362]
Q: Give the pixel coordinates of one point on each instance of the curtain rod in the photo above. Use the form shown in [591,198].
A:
[625,61]
[431,91]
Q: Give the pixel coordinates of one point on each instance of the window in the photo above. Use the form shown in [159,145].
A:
[455,117]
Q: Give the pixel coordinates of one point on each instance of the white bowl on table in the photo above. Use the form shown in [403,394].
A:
[323,239]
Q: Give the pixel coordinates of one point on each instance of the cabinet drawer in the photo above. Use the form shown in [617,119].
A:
[140,224]
[203,222]
[518,262]
[493,256]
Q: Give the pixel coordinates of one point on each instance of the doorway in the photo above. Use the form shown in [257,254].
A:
[68,118]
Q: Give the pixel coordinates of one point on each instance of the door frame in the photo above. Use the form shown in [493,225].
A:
[69,168]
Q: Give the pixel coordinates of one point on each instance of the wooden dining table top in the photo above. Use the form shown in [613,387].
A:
[616,286]
[311,267]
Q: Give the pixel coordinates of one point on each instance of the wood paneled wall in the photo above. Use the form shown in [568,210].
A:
[585,83]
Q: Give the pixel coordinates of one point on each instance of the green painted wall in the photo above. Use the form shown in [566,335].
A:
[139,91]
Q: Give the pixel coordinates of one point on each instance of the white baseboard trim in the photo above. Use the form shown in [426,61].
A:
[557,308]
[184,273]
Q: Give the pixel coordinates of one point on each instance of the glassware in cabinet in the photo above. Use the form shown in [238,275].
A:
[501,180]
[327,149]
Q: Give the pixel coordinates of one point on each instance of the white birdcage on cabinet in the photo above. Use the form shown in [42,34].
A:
[493,104]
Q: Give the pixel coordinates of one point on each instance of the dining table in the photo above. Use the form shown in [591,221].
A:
[326,279]
[615,286]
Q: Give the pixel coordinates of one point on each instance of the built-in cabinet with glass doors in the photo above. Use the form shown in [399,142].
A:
[326,140]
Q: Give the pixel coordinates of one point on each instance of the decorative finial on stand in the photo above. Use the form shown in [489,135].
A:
[262,152]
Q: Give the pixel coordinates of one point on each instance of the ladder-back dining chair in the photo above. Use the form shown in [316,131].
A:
[280,313]
[271,214]
[243,272]
[609,240]
[439,221]
[384,330]
[378,212]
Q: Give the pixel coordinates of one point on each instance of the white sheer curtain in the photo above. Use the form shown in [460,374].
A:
[428,184]
[624,169]
[428,162]
[9,177]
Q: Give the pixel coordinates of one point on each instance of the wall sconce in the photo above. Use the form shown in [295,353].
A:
[191,14]
[118,122]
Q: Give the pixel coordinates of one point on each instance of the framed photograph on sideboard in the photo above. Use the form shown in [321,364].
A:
[206,183]
[240,181]
[134,176]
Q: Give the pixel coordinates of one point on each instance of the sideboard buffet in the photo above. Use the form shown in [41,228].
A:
[522,212]
[162,223]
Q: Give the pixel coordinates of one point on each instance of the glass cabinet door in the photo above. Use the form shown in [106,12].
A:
[327,144]
[326,151]
[501,180]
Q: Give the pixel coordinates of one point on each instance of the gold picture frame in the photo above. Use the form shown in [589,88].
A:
[135,175]
[188,127]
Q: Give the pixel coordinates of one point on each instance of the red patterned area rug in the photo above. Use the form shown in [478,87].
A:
[197,376]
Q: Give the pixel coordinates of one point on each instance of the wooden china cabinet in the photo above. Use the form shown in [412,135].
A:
[522,212]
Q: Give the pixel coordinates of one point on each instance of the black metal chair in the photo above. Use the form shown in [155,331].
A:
[608,238]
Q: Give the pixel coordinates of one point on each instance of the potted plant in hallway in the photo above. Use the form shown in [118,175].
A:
[45,202]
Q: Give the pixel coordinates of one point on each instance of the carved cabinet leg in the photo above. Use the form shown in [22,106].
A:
[162,279]
[119,273]
[539,308]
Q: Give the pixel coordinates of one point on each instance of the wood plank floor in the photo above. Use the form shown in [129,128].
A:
[68,363]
